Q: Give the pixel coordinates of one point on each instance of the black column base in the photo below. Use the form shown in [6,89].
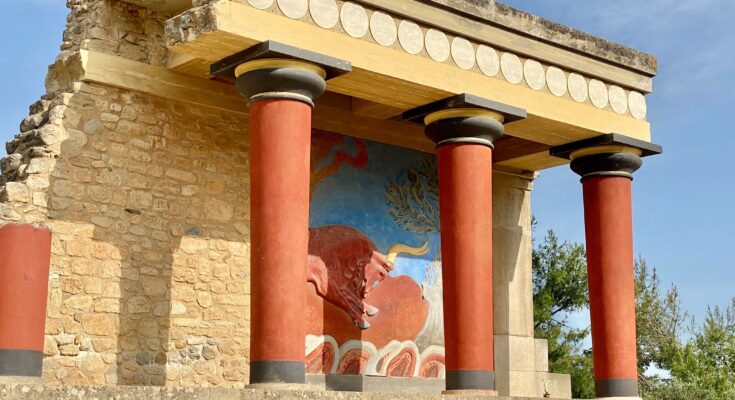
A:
[616,388]
[277,372]
[21,362]
[470,380]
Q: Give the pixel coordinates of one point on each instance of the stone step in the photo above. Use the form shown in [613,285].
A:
[56,392]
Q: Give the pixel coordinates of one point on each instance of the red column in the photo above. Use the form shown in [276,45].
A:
[606,164]
[464,128]
[280,83]
[25,255]
[609,235]
[280,135]
[465,201]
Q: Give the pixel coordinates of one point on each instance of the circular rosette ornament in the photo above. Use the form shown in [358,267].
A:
[396,359]
[432,363]
[355,356]
[322,353]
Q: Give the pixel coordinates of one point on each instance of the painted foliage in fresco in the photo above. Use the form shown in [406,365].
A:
[374,271]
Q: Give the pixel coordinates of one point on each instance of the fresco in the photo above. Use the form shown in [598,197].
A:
[374,271]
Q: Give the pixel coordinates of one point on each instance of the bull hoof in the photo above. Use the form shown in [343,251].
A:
[363,325]
[371,311]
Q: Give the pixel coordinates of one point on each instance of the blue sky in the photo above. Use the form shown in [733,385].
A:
[683,200]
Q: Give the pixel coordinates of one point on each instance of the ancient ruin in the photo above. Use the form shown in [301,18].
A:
[320,195]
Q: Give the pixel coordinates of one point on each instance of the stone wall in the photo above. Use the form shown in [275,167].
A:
[147,201]
[148,204]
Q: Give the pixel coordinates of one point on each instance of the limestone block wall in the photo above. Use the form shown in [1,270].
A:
[149,211]
[148,204]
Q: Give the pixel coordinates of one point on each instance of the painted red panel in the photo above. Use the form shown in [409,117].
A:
[25,256]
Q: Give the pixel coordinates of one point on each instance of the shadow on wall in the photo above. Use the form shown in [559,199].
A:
[149,208]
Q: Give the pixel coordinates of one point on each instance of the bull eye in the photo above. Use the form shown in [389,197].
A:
[375,284]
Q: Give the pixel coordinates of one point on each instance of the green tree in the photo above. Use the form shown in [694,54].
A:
[560,289]
[702,367]
[659,324]
[705,367]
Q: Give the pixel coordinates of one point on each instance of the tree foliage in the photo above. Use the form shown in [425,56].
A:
[704,368]
[560,289]
[413,198]
[659,324]
[701,367]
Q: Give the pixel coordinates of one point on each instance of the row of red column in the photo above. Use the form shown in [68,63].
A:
[464,129]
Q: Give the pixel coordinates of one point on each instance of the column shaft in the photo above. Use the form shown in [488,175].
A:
[280,135]
[609,235]
[606,164]
[25,255]
[281,83]
[465,197]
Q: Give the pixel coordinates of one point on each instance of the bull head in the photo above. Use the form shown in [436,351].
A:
[377,270]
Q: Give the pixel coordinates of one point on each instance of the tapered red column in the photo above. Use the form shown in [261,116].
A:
[465,201]
[280,135]
[464,128]
[608,227]
[606,165]
[606,183]
[280,84]
[279,219]
[25,254]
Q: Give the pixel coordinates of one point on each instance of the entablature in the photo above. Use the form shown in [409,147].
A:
[410,53]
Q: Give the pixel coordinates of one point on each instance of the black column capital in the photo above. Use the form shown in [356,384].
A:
[623,163]
[275,70]
[464,118]
[607,155]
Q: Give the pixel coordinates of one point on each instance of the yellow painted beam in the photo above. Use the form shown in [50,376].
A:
[330,113]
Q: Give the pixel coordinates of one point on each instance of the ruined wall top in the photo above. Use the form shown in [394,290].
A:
[170,6]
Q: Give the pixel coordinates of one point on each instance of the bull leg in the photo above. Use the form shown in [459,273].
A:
[353,308]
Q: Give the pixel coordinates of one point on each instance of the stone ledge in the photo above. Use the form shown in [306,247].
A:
[39,392]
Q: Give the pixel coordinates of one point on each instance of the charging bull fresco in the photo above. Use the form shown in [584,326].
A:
[374,270]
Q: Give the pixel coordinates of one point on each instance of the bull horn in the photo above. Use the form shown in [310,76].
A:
[405,249]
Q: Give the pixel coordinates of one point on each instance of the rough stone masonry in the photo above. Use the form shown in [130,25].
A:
[147,201]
